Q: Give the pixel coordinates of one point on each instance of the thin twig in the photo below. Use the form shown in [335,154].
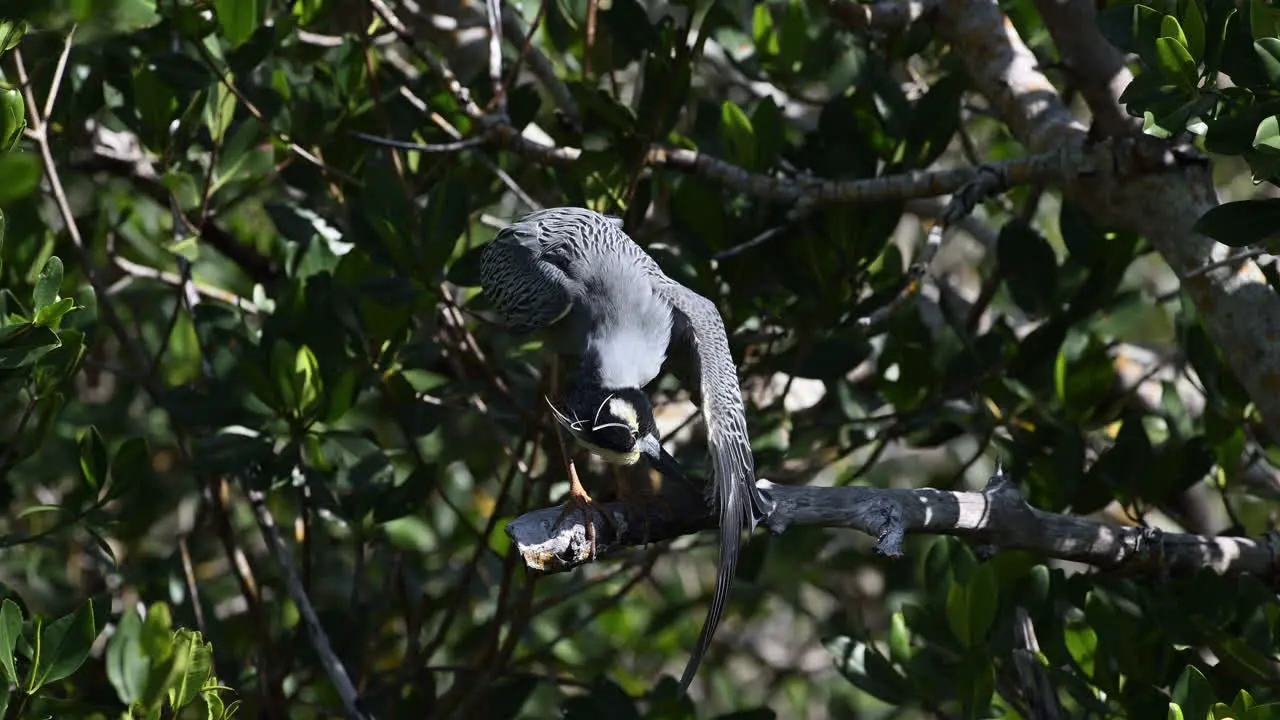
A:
[319,639]
[422,147]
[57,75]
[494,13]
[137,270]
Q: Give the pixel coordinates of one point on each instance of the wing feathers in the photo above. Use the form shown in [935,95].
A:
[730,449]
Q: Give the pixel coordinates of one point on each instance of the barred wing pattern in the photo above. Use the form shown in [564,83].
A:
[529,292]
[740,503]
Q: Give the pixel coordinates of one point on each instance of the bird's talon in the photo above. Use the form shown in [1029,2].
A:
[580,501]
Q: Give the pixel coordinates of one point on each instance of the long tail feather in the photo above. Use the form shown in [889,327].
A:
[734,514]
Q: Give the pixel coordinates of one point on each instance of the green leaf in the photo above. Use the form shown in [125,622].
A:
[935,118]
[768,127]
[1268,50]
[1192,23]
[959,612]
[900,649]
[1242,703]
[126,665]
[283,356]
[307,10]
[1082,644]
[130,467]
[340,396]
[24,344]
[984,597]
[1269,711]
[1029,267]
[446,219]
[738,136]
[196,666]
[855,660]
[51,315]
[1268,134]
[11,33]
[1175,63]
[21,173]
[156,105]
[976,683]
[10,632]
[1175,712]
[1242,222]
[238,19]
[62,647]
[605,699]
[93,459]
[308,386]
[1170,28]
[13,118]
[48,284]
[1132,28]
[1264,20]
[1193,693]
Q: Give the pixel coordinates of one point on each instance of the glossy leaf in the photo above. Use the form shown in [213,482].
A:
[196,666]
[1242,222]
[447,215]
[237,18]
[10,633]
[1268,50]
[24,344]
[13,118]
[1192,693]
[1176,63]
[1192,24]
[21,173]
[738,135]
[61,647]
[853,659]
[126,664]
[93,459]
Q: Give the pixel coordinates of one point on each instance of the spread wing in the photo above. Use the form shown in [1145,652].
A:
[734,490]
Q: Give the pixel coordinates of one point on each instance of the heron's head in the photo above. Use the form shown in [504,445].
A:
[618,426]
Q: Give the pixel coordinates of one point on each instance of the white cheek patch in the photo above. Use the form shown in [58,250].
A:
[625,412]
[610,456]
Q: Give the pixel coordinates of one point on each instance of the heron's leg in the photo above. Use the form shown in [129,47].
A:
[578,498]
[580,501]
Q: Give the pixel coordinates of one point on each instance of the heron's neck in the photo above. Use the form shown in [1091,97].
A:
[622,359]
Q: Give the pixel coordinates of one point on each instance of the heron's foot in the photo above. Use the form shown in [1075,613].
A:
[580,501]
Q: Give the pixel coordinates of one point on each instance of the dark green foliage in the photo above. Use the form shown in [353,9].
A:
[257,300]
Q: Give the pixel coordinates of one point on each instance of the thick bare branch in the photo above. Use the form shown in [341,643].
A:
[1241,313]
[1093,64]
[998,516]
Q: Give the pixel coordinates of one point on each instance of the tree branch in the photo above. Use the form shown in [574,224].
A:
[319,639]
[1094,65]
[1240,311]
[997,516]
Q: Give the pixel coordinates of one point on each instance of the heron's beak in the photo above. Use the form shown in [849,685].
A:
[660,459]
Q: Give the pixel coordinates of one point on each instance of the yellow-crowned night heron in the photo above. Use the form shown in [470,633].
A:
[575,274]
